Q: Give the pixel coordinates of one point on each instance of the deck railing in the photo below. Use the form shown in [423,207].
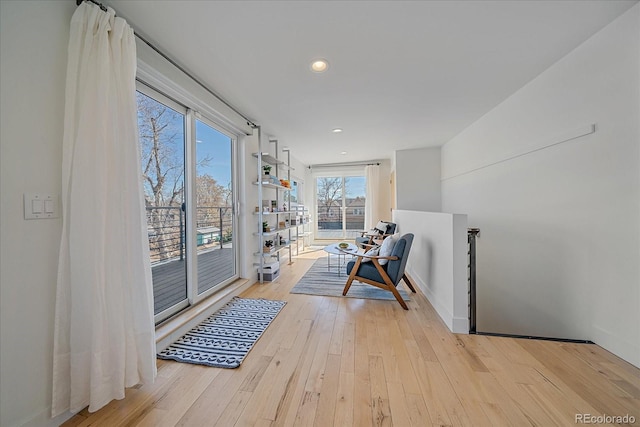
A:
[331,218]
[166,229]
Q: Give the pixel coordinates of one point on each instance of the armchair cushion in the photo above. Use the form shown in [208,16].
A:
[395,269]
[387,247]
[362,240]
[368,271]
[373,252]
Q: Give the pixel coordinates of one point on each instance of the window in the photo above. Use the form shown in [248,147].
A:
[340,202]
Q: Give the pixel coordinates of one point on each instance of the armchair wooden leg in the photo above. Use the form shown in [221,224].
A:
[347,286]
[352,275]
[396,294]
[389,284]
[408,282]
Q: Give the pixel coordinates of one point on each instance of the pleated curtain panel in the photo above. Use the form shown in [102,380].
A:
[104,339]
[372,196]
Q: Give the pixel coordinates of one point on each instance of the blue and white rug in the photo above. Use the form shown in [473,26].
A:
[224,339]
[320,280]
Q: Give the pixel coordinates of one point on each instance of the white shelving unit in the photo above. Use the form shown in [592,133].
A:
[301,226]
[276,214]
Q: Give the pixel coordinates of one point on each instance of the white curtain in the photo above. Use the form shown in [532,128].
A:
[372,201]
[104,339]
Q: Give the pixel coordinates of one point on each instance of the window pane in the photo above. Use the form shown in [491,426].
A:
[214,207]
[340,217]
[161,134]
[329,203]
[354,188]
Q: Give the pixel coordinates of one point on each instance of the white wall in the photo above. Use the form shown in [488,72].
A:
[248,169]
[33,55]
[438,262]
[559,247]
[418,179]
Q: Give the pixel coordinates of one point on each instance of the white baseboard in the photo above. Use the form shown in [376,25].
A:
[43,419]
[616,345]
[455,325]
[460,325]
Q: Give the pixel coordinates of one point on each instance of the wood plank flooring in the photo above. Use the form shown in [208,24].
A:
[348,362]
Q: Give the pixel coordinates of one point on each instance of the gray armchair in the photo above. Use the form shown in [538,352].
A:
[382,230]
[386,276]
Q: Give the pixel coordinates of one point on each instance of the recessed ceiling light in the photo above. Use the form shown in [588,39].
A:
[319,65]
[336,130]
[343,152]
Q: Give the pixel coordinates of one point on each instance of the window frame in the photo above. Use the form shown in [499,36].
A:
[190,117]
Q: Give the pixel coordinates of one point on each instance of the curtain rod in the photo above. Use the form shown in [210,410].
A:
[337,165]
[175,64]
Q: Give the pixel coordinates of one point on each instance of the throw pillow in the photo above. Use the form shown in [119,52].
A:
[371,252]
[387,247]
[382,227]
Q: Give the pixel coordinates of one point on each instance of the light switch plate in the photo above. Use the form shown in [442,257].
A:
[41,206]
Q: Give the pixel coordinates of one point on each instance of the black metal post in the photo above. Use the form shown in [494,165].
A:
[182,209]
[220,215]
[471,239]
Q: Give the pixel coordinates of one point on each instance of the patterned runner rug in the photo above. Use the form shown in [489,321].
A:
[225,338]
[319,280]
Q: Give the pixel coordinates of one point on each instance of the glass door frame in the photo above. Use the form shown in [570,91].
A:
[194,297]
[189,144]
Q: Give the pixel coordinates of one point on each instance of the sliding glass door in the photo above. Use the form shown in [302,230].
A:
[340,202]
[215,223]
[187,170]
[161,127]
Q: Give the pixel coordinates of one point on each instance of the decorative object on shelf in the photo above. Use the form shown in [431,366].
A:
[285,183]
[266,169]
[265,226]
[284,207]
[268,246]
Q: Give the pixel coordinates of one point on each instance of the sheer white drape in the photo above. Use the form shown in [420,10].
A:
[372,201]
[104,339]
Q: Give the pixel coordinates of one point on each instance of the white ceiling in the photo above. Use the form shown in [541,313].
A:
[402,74]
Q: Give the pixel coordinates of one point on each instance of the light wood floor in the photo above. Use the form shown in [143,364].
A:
[348,362]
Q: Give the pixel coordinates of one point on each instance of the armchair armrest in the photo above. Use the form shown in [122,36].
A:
[390,258]
[368,246]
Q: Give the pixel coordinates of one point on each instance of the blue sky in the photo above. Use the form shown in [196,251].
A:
[355,186]
[217,146]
